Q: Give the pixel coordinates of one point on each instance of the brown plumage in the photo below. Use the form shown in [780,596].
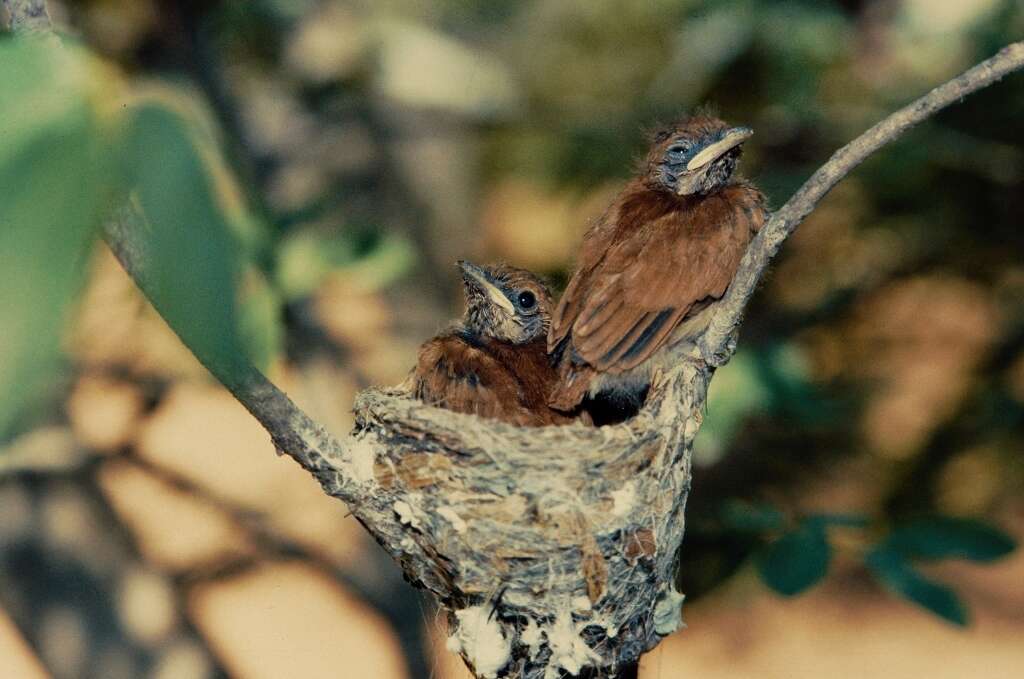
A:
[654,264]
[494,363]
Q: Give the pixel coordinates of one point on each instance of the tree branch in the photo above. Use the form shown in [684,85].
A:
[784,221]
[553,548]
[293,432]
[28,16]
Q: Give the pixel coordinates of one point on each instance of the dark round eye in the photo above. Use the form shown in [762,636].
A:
[527,300]
[679,148]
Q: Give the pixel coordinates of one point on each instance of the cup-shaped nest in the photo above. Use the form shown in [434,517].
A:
[564,532]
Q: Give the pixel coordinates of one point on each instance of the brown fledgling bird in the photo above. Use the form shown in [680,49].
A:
[494,363]
[653,266]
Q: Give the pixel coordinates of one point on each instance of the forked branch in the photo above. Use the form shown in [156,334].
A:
[785,220]
[553,548]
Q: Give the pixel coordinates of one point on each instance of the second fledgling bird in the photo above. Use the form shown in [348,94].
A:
[652,268]
[494,363]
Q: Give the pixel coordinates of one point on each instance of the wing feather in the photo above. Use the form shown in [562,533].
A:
[626,307]
[455,375]
[509,384]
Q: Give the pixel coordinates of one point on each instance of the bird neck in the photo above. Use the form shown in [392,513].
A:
[639,204]
[470,336]
[507,353]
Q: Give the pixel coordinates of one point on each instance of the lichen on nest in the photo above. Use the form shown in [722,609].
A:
[551,529]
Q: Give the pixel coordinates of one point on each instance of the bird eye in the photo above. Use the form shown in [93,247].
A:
[527,300]
[677,152]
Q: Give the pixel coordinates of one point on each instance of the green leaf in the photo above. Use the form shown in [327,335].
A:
[372,260]
[42,84]
[945,537]
[251,232]
[892,569]
[54,169]
[261,326]
[752,518]
[190,250]
[796,561]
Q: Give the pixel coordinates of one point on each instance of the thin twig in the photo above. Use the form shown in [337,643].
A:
[294,433]
[785,220]
[28,16]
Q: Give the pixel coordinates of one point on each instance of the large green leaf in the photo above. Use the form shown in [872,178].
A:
[796,561]
[260,321]
[944,537]
[899,576]
[191,253]
[251,232]
[54,175]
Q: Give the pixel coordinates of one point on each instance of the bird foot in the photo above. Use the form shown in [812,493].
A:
[716,358]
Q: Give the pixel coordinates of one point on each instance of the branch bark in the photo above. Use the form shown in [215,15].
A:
[552,548]
[784,221]
[28,16]
[293,432]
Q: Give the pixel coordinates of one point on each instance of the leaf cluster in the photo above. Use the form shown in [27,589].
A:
[796,552]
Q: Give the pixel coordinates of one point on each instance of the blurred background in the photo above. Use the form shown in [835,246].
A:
[858,483]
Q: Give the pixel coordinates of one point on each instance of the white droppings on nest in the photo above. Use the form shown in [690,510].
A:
[534,498]
[623,499]
[692,426]
[453,518]
[607,620]
[453,644]
[668,613]
[568,650]
[361,458]
[531,637]
[407,515]
[479,638]
[580,603]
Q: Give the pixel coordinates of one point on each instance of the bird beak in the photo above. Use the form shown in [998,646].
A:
[732,138]
[478,278]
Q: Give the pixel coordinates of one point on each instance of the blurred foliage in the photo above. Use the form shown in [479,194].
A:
[55,165]
[797,560]
[946,537]
[769,381]
[191,253]
[898,575]
[797,551]
[305,258]
[928,539]
[68,155]
[310,170]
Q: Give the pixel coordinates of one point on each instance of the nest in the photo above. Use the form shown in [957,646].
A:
[554,545]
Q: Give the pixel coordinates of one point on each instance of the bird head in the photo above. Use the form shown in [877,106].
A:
[505,303]
[695,156]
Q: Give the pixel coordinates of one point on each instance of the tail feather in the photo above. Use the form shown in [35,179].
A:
[573,384]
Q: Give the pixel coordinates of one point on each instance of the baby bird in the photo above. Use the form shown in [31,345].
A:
[653,266]
[494,363]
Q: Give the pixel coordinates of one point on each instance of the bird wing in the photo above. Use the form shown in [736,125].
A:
[571,303]
[454,374]
[654,278]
